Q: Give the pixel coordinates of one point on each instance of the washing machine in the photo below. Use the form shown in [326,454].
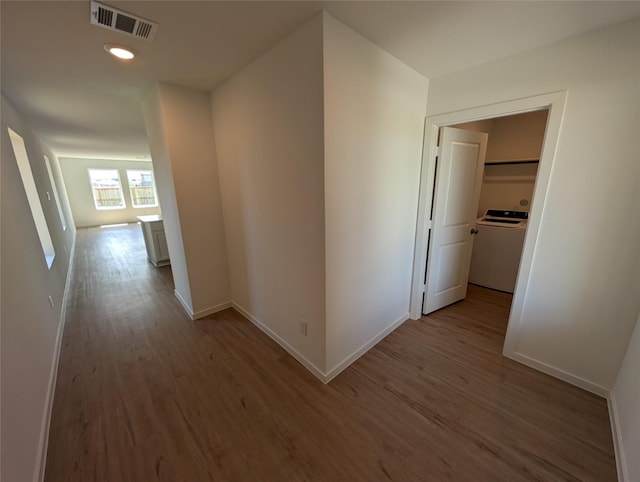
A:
[497,248]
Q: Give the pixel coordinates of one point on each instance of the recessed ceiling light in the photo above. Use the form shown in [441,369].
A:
[119,51]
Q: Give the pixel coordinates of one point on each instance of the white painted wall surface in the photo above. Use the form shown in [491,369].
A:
[156,134]
[85,214]
[500,194]
[513,137]
[268,133]
[625,398]
[581,303]
[189,139]
[31,329]
[517,136]
[374,113]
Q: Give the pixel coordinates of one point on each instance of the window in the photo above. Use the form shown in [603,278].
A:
[142,188]
[63,220]
[107,189]
[29,184]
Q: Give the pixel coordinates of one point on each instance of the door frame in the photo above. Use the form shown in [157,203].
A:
[555,103]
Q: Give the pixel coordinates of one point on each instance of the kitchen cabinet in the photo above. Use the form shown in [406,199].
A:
[155,239]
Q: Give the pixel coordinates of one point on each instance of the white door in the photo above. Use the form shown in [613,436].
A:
[458,181]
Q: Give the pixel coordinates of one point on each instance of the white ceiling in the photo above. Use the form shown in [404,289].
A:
[83,103]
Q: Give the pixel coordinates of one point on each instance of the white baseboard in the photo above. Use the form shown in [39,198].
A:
[275,337]
[202,313]
[324,377]
[41,461]
[212,310]
[335,371]
[621,465]
[616,432]
[557,373]
[184,304]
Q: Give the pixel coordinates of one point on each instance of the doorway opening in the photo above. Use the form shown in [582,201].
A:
[510,169]
[547,106]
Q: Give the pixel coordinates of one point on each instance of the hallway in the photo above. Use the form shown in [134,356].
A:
[143,393]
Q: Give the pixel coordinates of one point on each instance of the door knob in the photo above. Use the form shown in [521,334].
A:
[474,231]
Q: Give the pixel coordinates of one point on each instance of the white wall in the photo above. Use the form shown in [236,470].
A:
[180,128]
[268,133]
[76,177]
[300,168]
[31,329]
[512,137]
[582,297]
[163,173]
[373,121]
[504,186]
[625,401]
[517,136]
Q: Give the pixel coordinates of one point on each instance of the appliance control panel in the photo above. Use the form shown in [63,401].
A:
[497,213]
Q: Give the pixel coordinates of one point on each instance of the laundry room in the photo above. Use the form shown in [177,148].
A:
[511,164]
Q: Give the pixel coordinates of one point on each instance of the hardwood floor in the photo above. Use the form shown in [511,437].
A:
[145,394]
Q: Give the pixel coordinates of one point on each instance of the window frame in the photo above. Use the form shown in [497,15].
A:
[153,187]
[93,190]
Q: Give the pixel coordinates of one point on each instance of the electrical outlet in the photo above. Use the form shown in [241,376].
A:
[51,301]
[303,327]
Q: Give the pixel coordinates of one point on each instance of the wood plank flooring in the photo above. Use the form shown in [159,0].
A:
[145,394]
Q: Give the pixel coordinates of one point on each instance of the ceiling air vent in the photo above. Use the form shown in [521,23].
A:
[124,22]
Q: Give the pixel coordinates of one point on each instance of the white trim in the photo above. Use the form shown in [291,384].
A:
[41,461]
[347,361]
[555,102]
[185,306]
[275,337]
[202,313]
[324,377]
[93,192]
[618,445]
[211,310]
[155,191]
[427,179]
[561,374]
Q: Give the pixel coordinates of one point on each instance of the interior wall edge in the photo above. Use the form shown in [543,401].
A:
[185,306]
[192,159]
[563,375]
[269,146]
[616,433]
[155,124]
[309,365]
[624,411]
[41,462]
[374,107]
